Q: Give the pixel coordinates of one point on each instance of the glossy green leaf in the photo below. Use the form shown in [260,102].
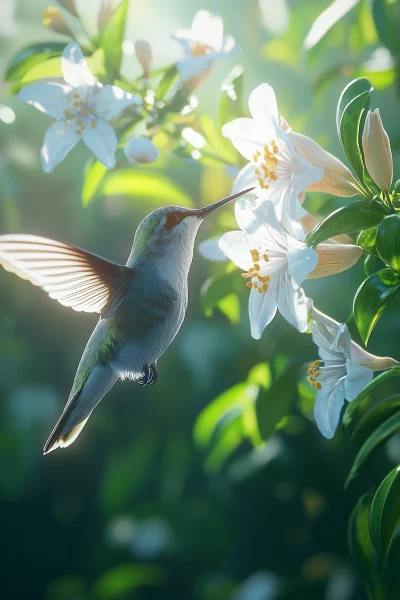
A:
[354,405]
[167,81]
[30,56]
[230,104]
[386,15]
[350,130]
[361,546]
[367,240]
[385,513]
[354,217]
[374,418]
[372,264]
[230,307]
[371,299]
[275,403]
[380,434]
[388,241]
[151,187]
[112,37]
[354,89]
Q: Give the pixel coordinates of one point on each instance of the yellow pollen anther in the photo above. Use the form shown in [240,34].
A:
[249,284]
[78,131]
[273,175]
[260,291]
[265,287]
[255,255]
[76,95]
[77,104]
[256,266]
[265,257]
[79,122]
[85,112]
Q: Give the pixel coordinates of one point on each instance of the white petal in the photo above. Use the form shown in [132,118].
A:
[328,406]
[246,135]
[140,150]
[228,45]
[375,363]
[193,65]
[74,67]
[210,250]
[356,380]
[292,303]
[301,260]
[102,141]
[59,139]
[111,100]
[264,110]
[208,29]
[262,308]
[304,173]
[245,180]
[235,246]
[49,98]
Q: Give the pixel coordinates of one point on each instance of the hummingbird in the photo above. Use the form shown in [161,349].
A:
[142,304]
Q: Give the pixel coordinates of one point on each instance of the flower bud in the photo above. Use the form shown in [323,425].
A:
[69,5]
[144,55]
[54,19]
[377,152]
[335,258]
[337,179]
[105,12]
[140,150]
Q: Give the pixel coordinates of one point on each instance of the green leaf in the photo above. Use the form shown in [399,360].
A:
[388,241]
[167,81]
[354,217]
[275,403]
[92,180]
[385,430]
[385,513]
[214,289]
[372,298]
[122,581]
[372,264]
[386,15]
[375,417]
[151,187]
[230,104]
[30,56]
[354,405]
[349,123]
[361,546]
[230,307]
[367,241]
[354,89]
[112,37]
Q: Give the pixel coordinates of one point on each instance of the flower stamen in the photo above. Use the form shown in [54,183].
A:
[269,161]
[313,374]
[257,281]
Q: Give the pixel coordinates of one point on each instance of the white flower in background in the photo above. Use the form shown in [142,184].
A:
[275,168]
[203,43]
[82,108]
[343,371]
[377,151]
[141,150]
[275,264]
[275,15]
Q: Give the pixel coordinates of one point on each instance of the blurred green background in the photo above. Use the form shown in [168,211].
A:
[140,507]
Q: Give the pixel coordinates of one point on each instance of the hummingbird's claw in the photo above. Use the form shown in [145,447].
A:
[149,375]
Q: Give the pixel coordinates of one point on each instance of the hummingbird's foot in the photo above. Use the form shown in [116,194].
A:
[149,375]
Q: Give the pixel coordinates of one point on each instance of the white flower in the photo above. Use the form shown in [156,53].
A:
[203,43]
[343,371]
[141,150]
[275,168]
[276,265]
[81,107]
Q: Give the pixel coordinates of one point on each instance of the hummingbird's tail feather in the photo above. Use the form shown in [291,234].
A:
[80,406]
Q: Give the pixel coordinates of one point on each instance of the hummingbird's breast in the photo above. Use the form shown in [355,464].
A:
[148,319]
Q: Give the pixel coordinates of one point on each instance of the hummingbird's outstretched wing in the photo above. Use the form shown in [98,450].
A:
[74,277]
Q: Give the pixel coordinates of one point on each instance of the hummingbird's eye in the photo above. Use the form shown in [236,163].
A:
[173,218]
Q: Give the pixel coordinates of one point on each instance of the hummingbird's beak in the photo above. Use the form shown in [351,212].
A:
[203,212]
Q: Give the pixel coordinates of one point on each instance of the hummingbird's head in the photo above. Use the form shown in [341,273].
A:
[173,226]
